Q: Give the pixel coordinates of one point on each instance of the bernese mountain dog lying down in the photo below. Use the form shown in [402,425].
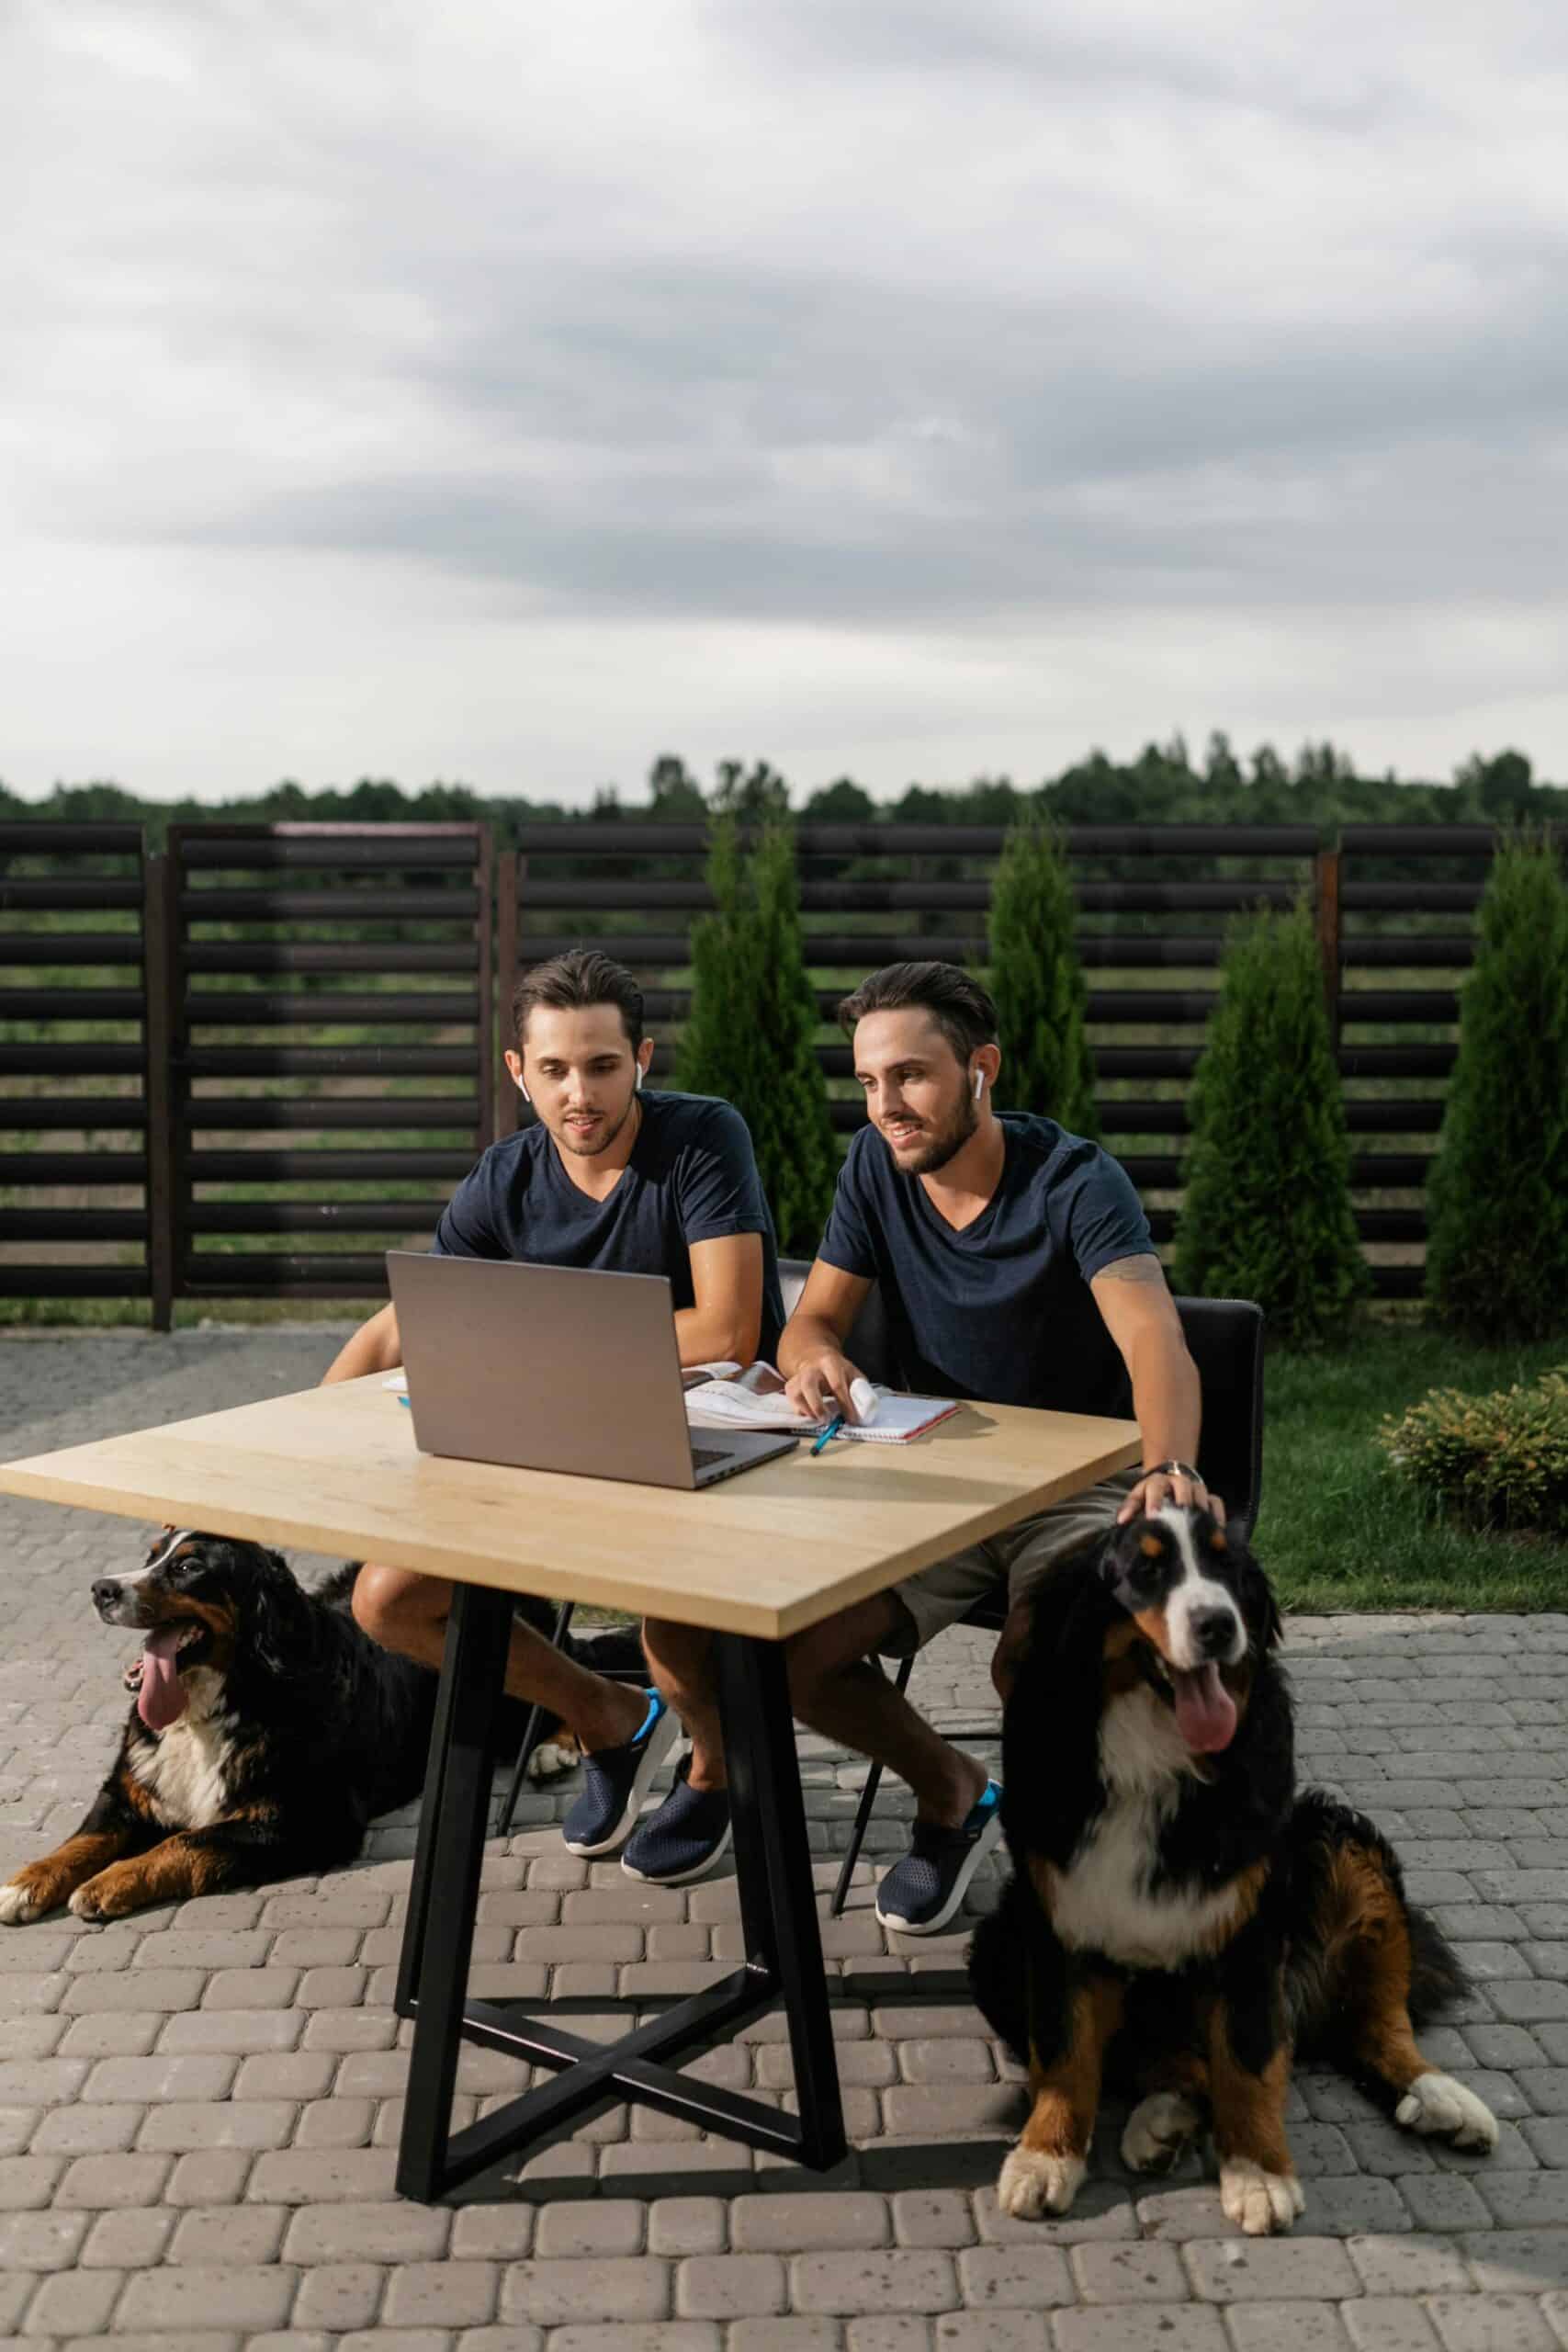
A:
[267,1732]
[1180,1920]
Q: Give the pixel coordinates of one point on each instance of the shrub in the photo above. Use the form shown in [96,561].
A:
[753,1016]
[1266,1213]
[1499,1461]
[1037,983]
[1497,1194]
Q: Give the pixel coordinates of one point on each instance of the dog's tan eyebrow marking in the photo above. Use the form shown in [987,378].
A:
[157,1559]
[1217,1541]
[1151,1547]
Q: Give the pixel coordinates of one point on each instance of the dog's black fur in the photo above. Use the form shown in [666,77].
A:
[1302,1938]
[297,1732]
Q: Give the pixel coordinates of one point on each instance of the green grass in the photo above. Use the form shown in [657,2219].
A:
[1338,1530]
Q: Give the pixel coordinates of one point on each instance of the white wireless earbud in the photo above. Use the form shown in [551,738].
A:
[979,1084]
[636,1082]
[523,1092]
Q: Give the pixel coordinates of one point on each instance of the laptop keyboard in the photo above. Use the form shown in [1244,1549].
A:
[704,1456]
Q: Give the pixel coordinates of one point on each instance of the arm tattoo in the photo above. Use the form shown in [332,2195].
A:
[1144,1269]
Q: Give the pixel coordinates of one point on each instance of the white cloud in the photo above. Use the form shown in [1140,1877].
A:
[909,388]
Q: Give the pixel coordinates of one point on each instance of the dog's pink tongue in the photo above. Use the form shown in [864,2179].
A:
[1205,1712]
[161,1698]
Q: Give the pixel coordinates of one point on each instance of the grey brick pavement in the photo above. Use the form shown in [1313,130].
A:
[200,2107]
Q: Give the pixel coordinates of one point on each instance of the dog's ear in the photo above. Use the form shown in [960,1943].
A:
[1073,1604]
[1255,1594]
[276,1623]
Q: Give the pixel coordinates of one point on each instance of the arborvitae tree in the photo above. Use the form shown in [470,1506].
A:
[753,1017]
[1267,1212]
[1038,984]
[1497,1194]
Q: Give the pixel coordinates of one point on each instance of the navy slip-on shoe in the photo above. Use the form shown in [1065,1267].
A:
[920,1893]
[685,1837]
[618,1780]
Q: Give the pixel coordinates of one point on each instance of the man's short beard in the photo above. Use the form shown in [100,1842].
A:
[947,1144]
[592,1150]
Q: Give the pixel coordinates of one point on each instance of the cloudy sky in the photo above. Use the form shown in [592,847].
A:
[905,388]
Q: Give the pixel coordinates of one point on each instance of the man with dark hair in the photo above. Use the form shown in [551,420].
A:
[609,1177]
[1015,1264]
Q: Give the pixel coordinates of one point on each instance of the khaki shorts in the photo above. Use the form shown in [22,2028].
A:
[1016,1558]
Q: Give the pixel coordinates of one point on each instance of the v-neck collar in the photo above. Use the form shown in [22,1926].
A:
[594,1202]
[964,1236]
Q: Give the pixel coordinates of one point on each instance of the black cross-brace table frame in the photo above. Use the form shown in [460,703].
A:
[778,1913]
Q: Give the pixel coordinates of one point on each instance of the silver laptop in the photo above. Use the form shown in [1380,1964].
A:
[554,1368]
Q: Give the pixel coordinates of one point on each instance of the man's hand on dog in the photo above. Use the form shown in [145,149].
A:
[1157,1487]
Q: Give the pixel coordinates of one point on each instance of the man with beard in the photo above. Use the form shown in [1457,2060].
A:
[608,1177]
[1015,1264]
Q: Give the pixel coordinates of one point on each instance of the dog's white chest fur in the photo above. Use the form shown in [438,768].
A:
[1102,1901]
[186,1774]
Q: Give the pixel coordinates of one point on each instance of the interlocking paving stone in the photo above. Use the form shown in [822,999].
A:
[231,2066]
[1389,2324]
[243,2295]
[1492,2323]
[1287,2327]
[1151,2327]
[552,2294]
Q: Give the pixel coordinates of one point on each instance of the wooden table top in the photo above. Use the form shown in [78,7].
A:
[768,1552]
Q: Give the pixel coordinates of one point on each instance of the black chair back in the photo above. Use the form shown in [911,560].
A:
[868,1344]
[1224,1340]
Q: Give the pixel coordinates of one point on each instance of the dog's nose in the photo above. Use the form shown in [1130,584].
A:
[106,1592]
[1214,1631]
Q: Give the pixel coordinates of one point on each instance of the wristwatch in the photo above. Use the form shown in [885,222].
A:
[1172,1469]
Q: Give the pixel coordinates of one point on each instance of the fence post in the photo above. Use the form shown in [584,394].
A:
[509,872]
[160,965]
[485,1099]
[1328,934]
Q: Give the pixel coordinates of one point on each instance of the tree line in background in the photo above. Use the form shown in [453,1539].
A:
[1164,785]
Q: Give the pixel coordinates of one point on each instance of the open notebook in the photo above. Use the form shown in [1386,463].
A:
[756,1400]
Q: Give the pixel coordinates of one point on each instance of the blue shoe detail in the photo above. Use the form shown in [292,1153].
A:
[683,1838]
[618,1780]
[922,1892]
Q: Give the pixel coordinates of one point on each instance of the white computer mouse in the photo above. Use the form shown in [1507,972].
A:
[864,1397]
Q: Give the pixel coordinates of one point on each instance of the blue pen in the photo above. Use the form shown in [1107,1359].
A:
[834,1426]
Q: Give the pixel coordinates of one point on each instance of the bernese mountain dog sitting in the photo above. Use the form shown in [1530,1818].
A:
[1180,1920]
[267,1732]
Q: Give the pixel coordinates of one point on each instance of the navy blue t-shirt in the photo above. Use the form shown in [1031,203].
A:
[1002,1309]
[691,1176]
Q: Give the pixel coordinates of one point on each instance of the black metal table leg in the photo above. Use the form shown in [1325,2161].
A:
[442,1929]
[778,1909]
[412,1952]
[773,1861]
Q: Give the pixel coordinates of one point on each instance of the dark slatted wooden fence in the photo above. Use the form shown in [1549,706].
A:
[74,1063]
[1407,898]
[246,1067]
[328,1003]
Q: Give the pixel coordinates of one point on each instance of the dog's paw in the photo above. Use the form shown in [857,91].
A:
[1158,2131]
[1437,2105]
[1030,2184]
[18,1905]
[102,1898]
[552,1758]
[1255,2200]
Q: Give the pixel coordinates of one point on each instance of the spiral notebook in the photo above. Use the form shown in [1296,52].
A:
[757,1401]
